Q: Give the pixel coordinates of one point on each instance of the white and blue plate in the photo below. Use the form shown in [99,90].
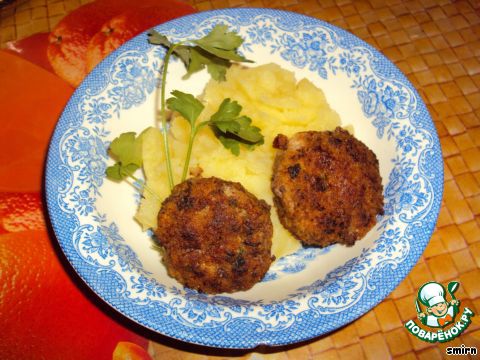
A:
[304,295]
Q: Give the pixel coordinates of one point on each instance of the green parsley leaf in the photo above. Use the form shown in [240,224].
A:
[225,54]
[155,38]
[114,172]
[248,132]
[222,43]
[127,150]
[228,110]
[227,126]
[197,62]
[232,129]
[183,52]
[219,37]
[241,128]
[230,144]
[199,58]
[217,70]
[186,104]
[119,172]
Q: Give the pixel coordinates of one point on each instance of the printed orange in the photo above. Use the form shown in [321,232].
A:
[20,212]
[31,101]
[69,39]
[132,22]
[32,48]
[129,351]
[44,315]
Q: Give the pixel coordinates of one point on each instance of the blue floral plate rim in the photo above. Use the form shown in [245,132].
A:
[221,328]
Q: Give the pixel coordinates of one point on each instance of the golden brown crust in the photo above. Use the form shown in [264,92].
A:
[327,187]
[217,236]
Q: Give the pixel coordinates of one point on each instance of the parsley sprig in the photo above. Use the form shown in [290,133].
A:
[227,124]
[126,149]
[216,52]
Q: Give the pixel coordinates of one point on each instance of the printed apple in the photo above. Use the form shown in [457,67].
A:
[132,22]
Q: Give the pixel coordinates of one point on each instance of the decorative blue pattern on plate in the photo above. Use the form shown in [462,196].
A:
[304,295]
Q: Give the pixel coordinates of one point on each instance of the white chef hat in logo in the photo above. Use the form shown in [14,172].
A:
[432,294]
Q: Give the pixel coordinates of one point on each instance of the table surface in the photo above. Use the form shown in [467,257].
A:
[437,46]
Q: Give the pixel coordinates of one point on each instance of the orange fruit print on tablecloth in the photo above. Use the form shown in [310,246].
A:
[44,315]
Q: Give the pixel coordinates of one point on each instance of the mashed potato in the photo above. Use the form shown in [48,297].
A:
[275,102]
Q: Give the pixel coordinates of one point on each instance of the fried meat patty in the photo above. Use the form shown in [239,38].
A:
[217,236]
[327,187]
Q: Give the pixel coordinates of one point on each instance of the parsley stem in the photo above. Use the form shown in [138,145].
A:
[193,132]
[163,116]
[143,186]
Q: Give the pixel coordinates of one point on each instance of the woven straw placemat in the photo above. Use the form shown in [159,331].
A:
[437,46]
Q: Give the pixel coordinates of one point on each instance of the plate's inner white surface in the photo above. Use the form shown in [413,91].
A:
[119,200]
